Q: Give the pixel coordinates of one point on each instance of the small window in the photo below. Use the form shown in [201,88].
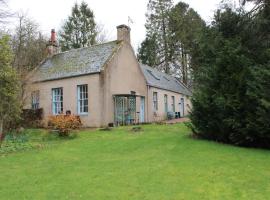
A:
[173,104]
[166,78]
[82,97]
[57,101]
[152,74]
[35,100]
[155,101]
[166,103]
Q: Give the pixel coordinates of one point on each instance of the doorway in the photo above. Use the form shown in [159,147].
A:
[142,110]
[124,109]
[182,107]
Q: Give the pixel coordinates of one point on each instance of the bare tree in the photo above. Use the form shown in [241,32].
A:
[102,34]
[4,12]
[28,44]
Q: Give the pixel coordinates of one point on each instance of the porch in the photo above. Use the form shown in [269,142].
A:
[128,109]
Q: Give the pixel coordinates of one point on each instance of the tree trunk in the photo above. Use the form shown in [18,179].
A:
[183,66]
[164,37]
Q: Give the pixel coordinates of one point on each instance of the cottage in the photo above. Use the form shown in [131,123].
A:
[104,84]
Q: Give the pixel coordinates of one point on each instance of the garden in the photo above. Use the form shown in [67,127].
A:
[152,162]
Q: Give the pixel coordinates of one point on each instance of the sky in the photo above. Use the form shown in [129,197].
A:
[52,13]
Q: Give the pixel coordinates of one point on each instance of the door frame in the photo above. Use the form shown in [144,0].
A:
[142,105]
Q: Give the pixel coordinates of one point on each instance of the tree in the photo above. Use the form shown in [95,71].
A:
[231,99]
[157,29]
[4,12]
[28,45]
[185,26]
[147,51]
[172,34]
[9,104]
[102,35]
[80,28]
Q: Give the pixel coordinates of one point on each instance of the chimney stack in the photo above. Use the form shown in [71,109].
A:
[53,36]
[52,46]
[123,33]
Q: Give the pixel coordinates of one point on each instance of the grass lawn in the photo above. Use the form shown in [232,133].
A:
[161,162]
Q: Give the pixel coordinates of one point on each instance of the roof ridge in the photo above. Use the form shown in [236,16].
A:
[77,49]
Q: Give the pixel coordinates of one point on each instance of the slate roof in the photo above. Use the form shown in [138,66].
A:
[161,80]
[89,60]
[76,62]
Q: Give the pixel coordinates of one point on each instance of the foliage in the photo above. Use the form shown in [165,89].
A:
[157,30]
[172,34]
[9,103]
[147,51]
[162,162]
[27,139]
[15,142]
[80,28]
[186,26]
[28,45]
[231,100]
[64,123]
[31,117]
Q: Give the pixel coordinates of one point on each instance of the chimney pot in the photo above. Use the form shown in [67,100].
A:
[52,46]
[53,36]
[123,33]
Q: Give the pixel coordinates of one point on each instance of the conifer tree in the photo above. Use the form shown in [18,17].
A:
[147,51]
[185,26]
[172,33]
[80,28]
[231,100]
[157,26]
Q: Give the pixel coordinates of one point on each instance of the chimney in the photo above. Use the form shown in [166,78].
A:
[123,33]
[53,36]
[52,46]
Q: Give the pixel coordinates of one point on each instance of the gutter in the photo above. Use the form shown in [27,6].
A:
[167,89]
[67,77]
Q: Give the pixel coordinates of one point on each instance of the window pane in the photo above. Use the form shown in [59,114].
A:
[82,98]
[57,98]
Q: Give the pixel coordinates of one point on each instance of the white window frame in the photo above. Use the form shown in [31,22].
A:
[82,99]
[155,101]
[35,100]
[57,101]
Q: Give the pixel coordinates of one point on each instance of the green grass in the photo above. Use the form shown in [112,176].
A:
[162,162]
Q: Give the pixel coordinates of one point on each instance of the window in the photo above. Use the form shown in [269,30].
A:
[153,75]
[57,101]
[35,100]
[82,98]
[166,103]
[173,104]
[155,100]
[166,78]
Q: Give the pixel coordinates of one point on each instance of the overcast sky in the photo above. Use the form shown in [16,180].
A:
[51,13]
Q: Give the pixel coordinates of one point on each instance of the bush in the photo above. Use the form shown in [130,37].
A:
[15,142]
[231,96]
[29,118]
[64,123]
